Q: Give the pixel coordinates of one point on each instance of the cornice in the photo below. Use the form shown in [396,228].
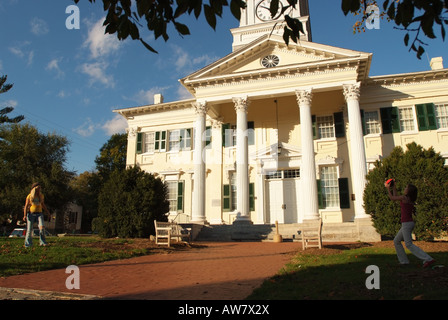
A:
[407,79]
[128,113]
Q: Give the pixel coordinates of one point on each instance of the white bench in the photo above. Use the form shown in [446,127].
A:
[312,233]
[165,231]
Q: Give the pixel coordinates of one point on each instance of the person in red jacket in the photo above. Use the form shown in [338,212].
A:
[407,204]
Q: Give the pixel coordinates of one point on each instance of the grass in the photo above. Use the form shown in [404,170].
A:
[62,252]
[341,274]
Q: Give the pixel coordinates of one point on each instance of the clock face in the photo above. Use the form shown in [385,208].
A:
[263,10]
[270,61]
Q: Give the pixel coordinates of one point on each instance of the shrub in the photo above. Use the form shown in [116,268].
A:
[128,204]
[423,168]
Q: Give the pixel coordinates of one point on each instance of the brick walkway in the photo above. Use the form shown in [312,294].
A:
[221,271]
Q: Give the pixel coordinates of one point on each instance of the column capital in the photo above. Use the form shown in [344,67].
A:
[200,107]
[241,103]
[352,91]
[304,96]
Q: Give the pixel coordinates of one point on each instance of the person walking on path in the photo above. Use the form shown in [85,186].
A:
[407,204]
[32,212]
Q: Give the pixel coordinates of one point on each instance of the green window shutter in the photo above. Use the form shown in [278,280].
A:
[226,135]
[163,141]
[431,113]
[157,141]
[395,119]
[320,197]
[226,197]
[251,197]
[363,122]
[250,133]
[139,147]
[180,196]
[426,117]
[339,126]
[344,196]
[313,120]
[389,120]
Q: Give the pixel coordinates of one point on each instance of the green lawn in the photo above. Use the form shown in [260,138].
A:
[61,252]
[341,274]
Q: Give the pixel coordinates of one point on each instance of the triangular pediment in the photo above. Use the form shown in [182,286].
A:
[247,61]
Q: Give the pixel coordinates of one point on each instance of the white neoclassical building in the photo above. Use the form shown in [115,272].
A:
[280,132]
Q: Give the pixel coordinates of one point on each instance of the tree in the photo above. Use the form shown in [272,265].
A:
[112,155]
[128,204]
[411,16]
[5,87]
[123,18]
[28,156]
[423,168]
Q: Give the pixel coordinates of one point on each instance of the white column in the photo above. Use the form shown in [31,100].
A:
[357,149]
[308,167]
[198,206]
[242,160]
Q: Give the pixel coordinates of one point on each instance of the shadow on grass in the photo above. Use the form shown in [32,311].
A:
[339,272]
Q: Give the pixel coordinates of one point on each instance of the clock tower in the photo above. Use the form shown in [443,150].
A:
[256,20]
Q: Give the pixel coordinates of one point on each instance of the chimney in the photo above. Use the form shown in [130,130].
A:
[158,98]
[436,63]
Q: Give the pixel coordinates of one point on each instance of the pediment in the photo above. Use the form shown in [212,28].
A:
[246,61]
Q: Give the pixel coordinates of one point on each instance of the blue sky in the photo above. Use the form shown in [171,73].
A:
[69,81]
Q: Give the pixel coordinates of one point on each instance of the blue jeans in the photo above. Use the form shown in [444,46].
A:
[405,234]
[31,218]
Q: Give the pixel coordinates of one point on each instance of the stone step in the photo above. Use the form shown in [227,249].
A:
[331,232]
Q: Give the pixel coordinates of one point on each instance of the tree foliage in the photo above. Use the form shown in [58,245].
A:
[28,156]
[112,155]
[425,169]
[5,87]
[125,18]
[128,204]
[412,16]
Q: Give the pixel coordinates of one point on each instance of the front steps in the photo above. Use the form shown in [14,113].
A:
[360,230]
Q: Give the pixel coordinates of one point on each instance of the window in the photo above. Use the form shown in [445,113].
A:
[371,122]
[406,119]
[325,127]
[329,186]
[230,195]
[160,141]
[328,126]
[441,112]
[148,140]
[283,174]
[208,137]
[175,195]
[229,133]
[180,139]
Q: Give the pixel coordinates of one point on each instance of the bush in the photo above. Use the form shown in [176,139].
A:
[128,204]
[423,168]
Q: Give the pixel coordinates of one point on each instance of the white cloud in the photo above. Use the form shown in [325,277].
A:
[9,103]
[116,125]
[86,129]
[39,27]
[99,43]
[147,96]
[53,65]
[21,51]
[97,73]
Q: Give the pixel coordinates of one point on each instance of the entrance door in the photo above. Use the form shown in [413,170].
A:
[282,196]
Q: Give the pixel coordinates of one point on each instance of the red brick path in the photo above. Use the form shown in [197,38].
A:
[221,271]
